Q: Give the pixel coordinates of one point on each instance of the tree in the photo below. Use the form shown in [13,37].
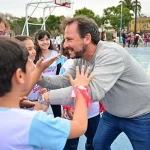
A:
[89,13]
[131,4]
[53,24]
[99,20]
[137,4]
[112,16]
[34,28]
[84,11]
[16,24]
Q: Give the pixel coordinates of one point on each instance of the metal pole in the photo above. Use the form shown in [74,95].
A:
[121,24]
[43,25]
[28,16]
[135,17]
[27,29]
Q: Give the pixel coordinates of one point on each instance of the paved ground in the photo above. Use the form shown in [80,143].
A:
[142,55]
[121,143]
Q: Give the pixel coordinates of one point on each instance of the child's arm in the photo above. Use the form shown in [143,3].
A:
[27,103]
[41,65]
[46,131]
[24,102]
[79,121]
[80,117]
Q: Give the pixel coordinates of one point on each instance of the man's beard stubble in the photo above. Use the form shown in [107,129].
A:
[80,53]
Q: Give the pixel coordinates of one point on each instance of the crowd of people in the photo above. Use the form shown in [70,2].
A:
[56,41]
[131,40]
[88,73]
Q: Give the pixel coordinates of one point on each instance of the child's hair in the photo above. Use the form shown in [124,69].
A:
[2,20]
[63,50]
[40,34]
[13,55]
[22,38]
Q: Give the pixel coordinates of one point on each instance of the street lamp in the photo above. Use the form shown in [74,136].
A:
[121,24]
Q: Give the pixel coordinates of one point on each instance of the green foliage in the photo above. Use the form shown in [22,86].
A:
[34,28]
[100,20]
[89,13]
[53,24]
[131,4]
[84,11]
[17,24]
[112,16]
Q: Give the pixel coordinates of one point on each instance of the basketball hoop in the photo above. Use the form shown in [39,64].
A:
[64,3]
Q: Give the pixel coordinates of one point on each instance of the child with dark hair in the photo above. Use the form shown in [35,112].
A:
[23,129]
[30,101]
[136,39]
[28,43]
[44,48]
[103,36]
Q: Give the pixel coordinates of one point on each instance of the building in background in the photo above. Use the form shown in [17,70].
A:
[143,24]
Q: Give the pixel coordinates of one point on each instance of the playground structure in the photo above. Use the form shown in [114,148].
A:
[44,5]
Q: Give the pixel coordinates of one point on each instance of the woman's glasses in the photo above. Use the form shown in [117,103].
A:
[4,33]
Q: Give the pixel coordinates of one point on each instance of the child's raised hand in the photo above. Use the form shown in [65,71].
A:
[43,64]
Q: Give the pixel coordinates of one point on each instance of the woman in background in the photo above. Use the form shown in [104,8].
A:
[44,48]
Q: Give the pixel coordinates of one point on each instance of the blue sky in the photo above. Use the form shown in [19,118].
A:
[17,7]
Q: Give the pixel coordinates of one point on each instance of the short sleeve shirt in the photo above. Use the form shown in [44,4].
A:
[32,130]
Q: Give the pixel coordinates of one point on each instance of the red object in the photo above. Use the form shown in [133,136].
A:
[84,91]
[64,3]
[67,107]
[102,108]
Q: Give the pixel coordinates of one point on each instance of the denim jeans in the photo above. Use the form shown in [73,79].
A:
[137,130]
[72,144]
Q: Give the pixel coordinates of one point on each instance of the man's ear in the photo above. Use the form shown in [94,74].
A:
[19,76]
[87,38]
